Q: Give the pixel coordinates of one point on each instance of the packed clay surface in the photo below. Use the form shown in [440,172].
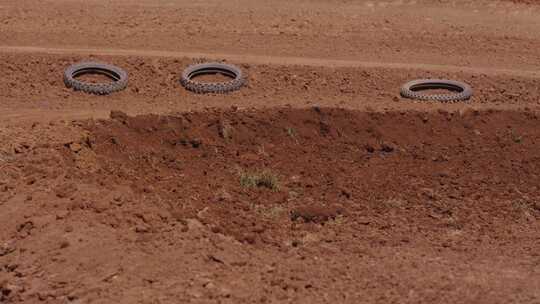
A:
[316,182]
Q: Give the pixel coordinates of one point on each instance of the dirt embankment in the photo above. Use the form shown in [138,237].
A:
[279,205]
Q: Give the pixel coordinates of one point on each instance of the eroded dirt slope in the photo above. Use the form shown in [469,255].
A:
[281,205]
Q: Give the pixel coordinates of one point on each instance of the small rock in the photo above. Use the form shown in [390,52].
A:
[258,228]
[148,189]
[31,180]
[75,147]
[65,190]
[62,215]
[216,258]
[142,229]
[117,202]
[25,228]
[20,148]
[363,220]
[248,238]
[7,248]
[537,205]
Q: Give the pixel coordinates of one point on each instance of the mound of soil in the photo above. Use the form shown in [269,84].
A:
[281,205]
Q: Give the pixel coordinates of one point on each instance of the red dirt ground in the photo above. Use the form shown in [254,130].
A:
[315,183]
[375,207]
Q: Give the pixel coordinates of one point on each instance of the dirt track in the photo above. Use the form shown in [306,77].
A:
[377,199]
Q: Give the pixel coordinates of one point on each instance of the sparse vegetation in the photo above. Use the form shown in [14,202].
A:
[338,220]
[264,178]
[393,203]
[270,212]
[517,138]
[291,132]
[524,206]
[225,129]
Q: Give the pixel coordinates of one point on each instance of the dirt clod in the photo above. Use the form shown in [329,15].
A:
[7,248]
[119,115]
[65,190]
[75,147]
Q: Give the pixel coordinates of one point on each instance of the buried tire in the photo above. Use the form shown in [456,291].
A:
[460,91]
[228,70]
[118,75]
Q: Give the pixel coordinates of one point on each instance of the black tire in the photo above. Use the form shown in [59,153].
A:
[229,70]
[119,77]
[461,91]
